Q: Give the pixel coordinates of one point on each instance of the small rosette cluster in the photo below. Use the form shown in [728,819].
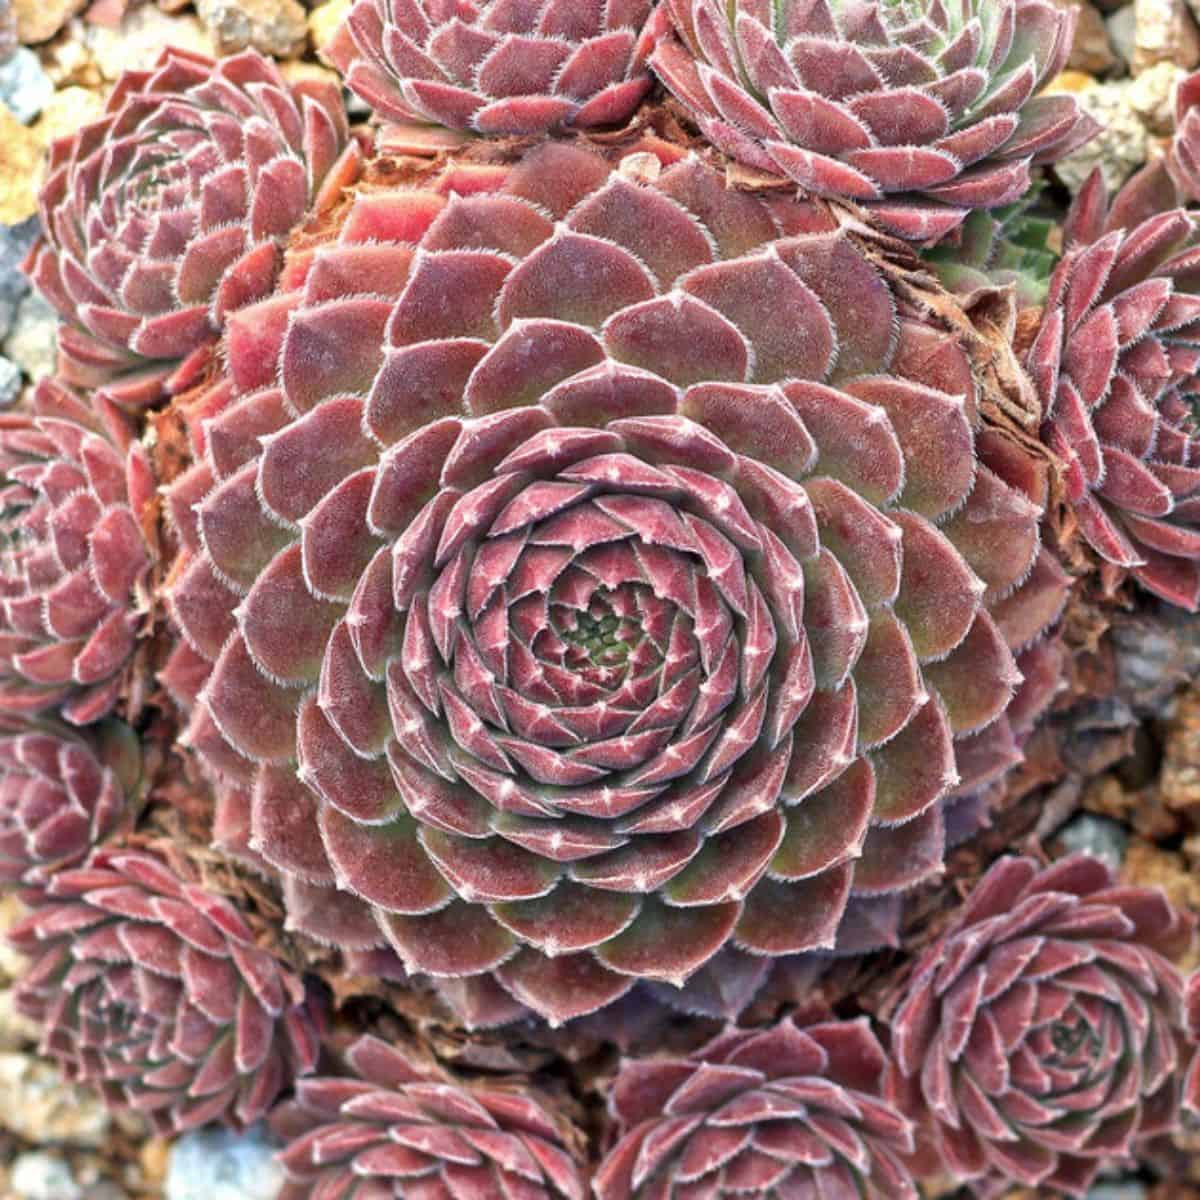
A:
[1191,1085]
[58,800]
[922,110]
[784,1111]
[1115,364]
[573,616]
[1041,1038]
[153,991]
[73,556]
[497,67]
[169,211]
[400,1127]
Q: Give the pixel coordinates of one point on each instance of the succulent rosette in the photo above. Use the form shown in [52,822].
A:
[921,110]
[1006,248]
[154,991]
[60,797]
[1040,1039]
[168,212]
[785,1111]
[578,620]
[399,1126]
[497,67]
[1115,364]
[74,556]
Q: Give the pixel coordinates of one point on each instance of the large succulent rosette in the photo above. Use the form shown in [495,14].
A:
[1040,1039]
[760,1113]
[922,110]
[167,213]
[1115,364]
[73,556]
[60,797]
[400,1127]
[497,67]
[152,990]
[574,615]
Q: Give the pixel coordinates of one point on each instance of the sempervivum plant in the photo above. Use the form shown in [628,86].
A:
[788,1111]
[399,1126]
[574,615]
[152,990]
[73,555]
[923,110]
[59,797]
[1115,364]
[1041,1037]
[167,213]
[497,66]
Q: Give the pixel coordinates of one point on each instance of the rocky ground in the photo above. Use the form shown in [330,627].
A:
[1129,789]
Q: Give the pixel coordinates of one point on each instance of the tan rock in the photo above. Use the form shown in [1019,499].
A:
[323,22]
[296,71]
[1164,32]
[275,27]
[1092,52]
[141,38]
[67,112]
[20,169]
[35,1104]
[1123,143]
[68,60]
[40,20]
[1152,96]
[17,1031]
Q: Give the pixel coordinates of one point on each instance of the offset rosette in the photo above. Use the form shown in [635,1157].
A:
[784,1111]
[497,67]
[1115,364]
[922,110]
[168,213]
[74,556]
[1041,1038]
[59,798]
[576,616]
[1191,1086]
[1183,155]
[153,991]
[401,1127]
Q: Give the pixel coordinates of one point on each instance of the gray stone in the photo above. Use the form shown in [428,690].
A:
[1101,837]
[39,1176]
[218,1164]
[33,342]
[24,86]
[10,382]
[15,241]
[1122,32]
[1118,1189]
